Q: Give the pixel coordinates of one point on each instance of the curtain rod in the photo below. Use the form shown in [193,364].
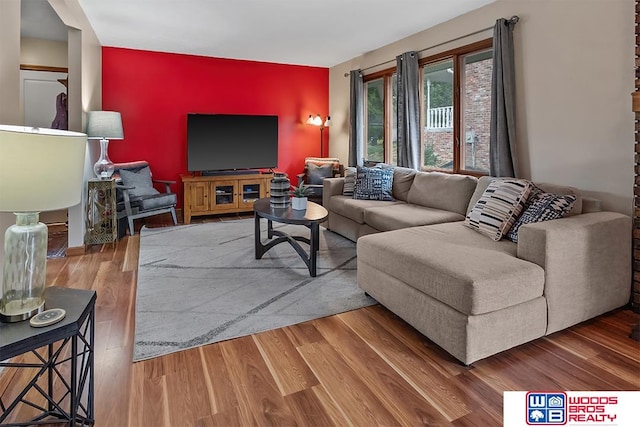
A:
[514,20]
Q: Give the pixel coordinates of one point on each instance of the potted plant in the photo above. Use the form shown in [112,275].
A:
[299,197]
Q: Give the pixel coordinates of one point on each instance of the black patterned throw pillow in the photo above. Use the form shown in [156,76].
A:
[545,207]
[373,184]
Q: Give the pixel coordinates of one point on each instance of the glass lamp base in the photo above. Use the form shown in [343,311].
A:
[16,307]
[103,168]
[25,263]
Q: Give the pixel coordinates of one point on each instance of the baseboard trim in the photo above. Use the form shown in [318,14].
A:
[76,250]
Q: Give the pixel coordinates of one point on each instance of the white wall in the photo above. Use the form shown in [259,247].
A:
[574,78]
[85,78]
[9,87]
[47,53]
[10,62]
[85,88]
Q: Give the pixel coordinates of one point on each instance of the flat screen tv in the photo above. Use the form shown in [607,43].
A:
[217,142]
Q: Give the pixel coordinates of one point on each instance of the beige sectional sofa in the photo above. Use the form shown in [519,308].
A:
[472,295]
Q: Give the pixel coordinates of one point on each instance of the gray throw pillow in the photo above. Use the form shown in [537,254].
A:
[374,184]
[141,180]
[316,173]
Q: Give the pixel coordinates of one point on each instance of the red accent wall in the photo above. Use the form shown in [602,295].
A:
[154,92]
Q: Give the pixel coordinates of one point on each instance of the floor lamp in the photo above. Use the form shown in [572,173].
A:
[317,121]
[40,170]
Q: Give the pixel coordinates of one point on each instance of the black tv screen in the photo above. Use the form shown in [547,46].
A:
[230,141]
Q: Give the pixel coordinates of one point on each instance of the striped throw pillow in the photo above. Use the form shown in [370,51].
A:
[349,181]
[498,207]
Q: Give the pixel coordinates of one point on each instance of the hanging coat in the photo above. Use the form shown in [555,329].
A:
[61,120]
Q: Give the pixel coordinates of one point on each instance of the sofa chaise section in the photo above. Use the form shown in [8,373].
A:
[467,293]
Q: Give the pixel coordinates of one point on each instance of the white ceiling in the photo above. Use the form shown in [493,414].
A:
[319,33]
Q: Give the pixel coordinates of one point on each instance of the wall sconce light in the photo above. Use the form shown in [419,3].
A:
[317,121]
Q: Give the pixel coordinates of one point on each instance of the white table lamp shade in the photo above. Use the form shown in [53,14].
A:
[40,169]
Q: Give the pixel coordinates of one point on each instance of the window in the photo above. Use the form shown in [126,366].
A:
[381,143]
[476,108]
[437,138]
[457,109]
[374,116]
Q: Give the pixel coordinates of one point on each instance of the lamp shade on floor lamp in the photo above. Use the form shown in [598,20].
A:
[40,170]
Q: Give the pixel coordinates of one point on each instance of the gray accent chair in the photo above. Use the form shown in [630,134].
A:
[316,169]
[137,197]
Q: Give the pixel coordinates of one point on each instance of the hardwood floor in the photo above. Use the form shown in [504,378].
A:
[364,367]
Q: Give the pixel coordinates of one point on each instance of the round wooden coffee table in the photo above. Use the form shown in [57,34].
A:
[310,218]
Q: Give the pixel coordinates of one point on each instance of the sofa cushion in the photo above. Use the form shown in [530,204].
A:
[455,265]
[349,181]
[543,207]
[353,208]
[497,209]
[444,191]
[157,201]
[402,181]
[374,184]
[406,215]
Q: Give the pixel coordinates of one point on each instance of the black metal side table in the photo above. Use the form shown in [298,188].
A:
[61,364]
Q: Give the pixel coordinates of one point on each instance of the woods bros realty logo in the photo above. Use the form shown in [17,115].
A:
[552,408]
[546,408]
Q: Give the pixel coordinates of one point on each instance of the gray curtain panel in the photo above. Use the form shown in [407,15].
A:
[356,119]
[408,115]
[502,139]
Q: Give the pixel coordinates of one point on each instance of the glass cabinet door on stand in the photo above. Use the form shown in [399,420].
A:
[250,191]
[224,194]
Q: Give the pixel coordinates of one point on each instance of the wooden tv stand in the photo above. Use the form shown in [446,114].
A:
[220,194]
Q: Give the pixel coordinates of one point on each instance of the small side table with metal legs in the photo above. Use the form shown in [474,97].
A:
[58,361]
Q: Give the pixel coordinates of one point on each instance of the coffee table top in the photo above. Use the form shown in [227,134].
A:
[313,213]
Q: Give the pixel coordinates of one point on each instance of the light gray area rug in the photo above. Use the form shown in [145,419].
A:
[200,284]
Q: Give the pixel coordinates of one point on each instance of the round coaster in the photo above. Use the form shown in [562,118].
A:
[47,317]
